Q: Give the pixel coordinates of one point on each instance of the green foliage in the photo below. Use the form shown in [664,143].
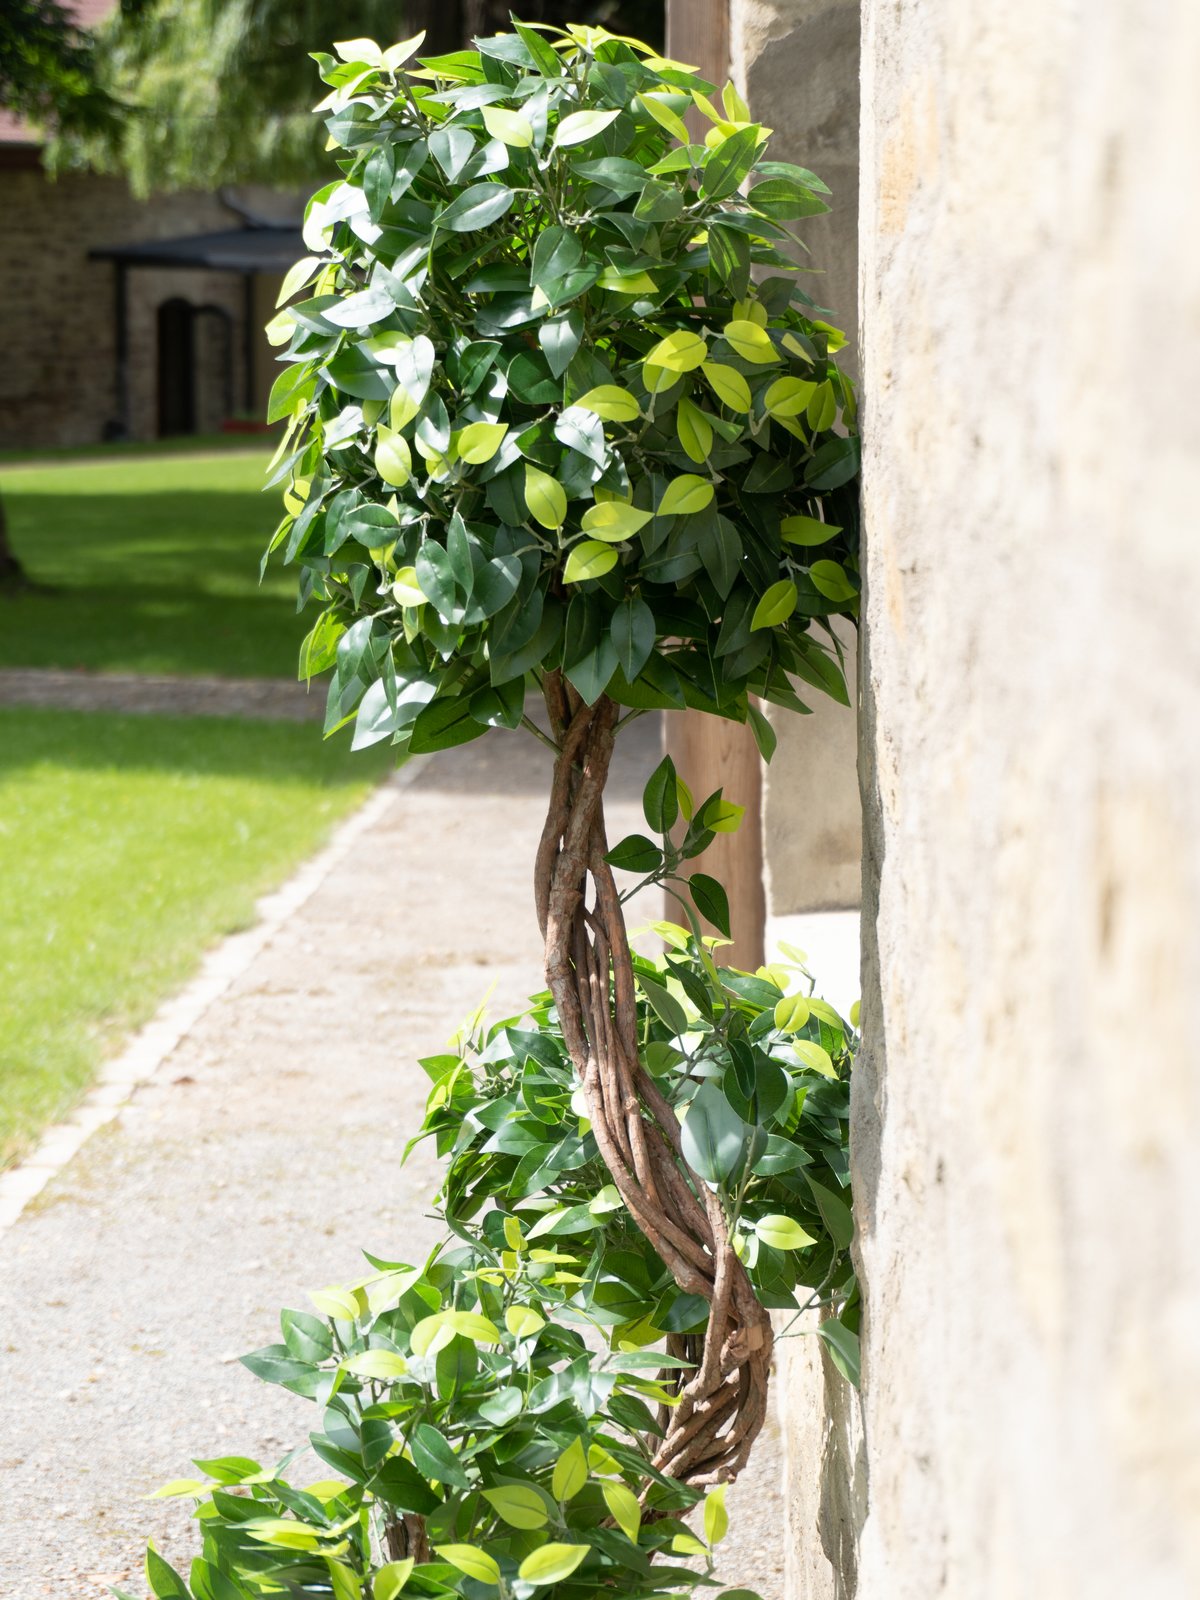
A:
[48,70]
[197,93]
[539,413]
[511,1390]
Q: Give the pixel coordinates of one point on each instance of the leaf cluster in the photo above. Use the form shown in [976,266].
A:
[555,397]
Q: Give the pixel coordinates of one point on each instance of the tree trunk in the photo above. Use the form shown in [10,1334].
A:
[722,1402]
[13,577]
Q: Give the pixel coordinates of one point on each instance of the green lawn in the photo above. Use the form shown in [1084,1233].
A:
[151,565]
[127,846]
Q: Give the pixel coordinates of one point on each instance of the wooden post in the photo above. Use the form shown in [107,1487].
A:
[710,753]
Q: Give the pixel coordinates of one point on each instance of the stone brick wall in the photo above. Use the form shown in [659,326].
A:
[57,320]
[1027,1118]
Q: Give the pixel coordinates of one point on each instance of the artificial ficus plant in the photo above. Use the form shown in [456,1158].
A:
[561,417]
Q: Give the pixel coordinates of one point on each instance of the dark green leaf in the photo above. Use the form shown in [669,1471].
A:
[163,1579]
[434,1457]
[635,853]
[843,1347]
[728,164]
[633,635]
[400,1484]
[711,901]
[660,799]
[713,1135]
[476,207]
[834,464]
[835,1213]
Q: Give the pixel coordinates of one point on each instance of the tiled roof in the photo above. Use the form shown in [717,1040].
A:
[88,14]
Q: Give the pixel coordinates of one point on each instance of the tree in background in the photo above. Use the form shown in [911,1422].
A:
[48,70]
[48,77]
[221,88]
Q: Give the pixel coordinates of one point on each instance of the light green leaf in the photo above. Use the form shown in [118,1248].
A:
[618,282]
[814,1056]
[510,127]
[776,605]
[475,1563]
[402,408]
[658,379]
[830,580]
[624,1508]
[521,1321]
[545,498]
[479,441]
[359,50]
[389,1580]
[433,1333]
[807,530]
[782,1233]
[686,1544]
[581,126]
[393,458]
[728,384]
[343,1304]
[180,1486]
[685,495]
[552,1563]
[791,1013]
[395,56]
[283,1532]
[678,352]
[296,277]
[570,1472]
[589,559]
[664,116]
[716,1518]
[377,1364]
[694,430]
[750,342]
[822,407]
[610,403]
[788,397]
[614,520]
[519,1505]
[406,591]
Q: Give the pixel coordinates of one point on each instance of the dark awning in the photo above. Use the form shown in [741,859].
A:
[235,250]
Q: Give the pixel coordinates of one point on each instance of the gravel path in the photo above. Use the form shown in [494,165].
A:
[264,1153]
[275,699]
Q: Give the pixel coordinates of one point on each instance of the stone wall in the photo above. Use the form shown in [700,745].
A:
[1027,1118]
[796,62]
[57,321]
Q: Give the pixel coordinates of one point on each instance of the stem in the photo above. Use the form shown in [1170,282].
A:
[589,970]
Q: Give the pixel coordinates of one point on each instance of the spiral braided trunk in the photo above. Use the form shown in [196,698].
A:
[721,1402]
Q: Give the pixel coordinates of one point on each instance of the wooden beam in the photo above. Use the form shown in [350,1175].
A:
[710,753]
[698,33]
